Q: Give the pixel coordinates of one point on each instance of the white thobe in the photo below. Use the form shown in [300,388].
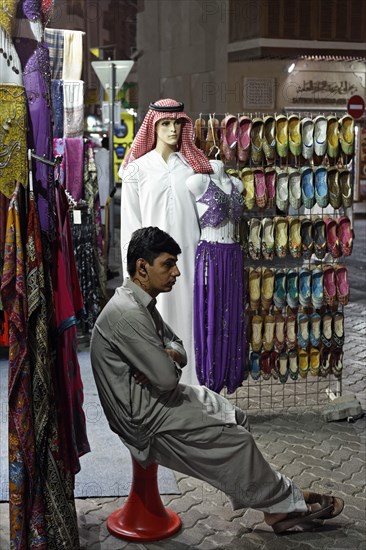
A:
[154,193]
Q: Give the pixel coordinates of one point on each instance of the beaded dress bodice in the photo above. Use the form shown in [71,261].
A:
[224,210]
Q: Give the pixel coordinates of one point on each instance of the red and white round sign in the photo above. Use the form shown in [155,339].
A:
[356,106]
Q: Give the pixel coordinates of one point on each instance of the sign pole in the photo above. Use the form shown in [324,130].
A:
[111,149]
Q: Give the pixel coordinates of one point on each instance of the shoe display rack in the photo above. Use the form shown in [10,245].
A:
[296,233]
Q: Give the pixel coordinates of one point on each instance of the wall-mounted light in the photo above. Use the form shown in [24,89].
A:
[291,67]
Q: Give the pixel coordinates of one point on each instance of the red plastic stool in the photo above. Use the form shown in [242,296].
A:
[144,516]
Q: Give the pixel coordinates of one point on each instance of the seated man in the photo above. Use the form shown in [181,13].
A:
[137,362]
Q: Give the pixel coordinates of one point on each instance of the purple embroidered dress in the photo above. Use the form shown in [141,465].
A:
[219,292]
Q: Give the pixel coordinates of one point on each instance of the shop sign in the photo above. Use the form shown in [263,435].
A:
[316,88]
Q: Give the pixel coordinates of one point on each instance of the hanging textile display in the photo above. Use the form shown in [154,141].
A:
[26,505]
[88,242]
[47,429]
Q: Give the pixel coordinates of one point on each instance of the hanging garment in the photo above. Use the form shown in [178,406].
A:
[57,93]
[85,256]
[13,143]
[86,234]
[73,55]
[27,525]
[34,58]
[56,482]
[219,300]
[68,304]
[54,38]
[73,109]
[74,163]
[91,189]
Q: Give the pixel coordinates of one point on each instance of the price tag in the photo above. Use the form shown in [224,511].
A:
[77,217]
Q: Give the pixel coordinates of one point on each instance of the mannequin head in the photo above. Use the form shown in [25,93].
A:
[168,132]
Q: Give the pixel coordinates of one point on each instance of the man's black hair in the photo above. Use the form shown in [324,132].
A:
[148,243]
[105,142]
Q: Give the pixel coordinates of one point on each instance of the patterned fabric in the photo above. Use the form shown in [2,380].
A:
[57,93]
[7,13]
[221,206]
[57,482]
[59,149]
[73,55]
[68,305]
[73,109]
[13,142]
[91,188]
[37,81]
[27,528]
[219,316]
[54,39]
[145,138]
[89,260]
[74,163]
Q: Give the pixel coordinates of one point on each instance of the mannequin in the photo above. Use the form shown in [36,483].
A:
[154,192]
[218,285]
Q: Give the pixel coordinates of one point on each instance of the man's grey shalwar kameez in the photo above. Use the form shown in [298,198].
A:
[187,428]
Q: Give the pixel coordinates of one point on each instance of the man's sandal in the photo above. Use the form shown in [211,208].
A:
[336,502]
[327,507]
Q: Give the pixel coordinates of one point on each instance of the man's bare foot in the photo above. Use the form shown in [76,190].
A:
[271,519]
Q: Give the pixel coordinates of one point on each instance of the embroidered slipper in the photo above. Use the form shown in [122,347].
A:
[244,128]
[322,506]
[332,136]
[229,136]
[267,287]
[269,138]
[212,137]
[294,187]
[271,176]
[320,135]
[268,243]
[268,332]
[345,187]
[282,198]
[347,134]
[282,135]
[247,177]
[333,244]
[294,135]
[335,195]
[256,139]
[307,187]
[307,137]
[307,238]
[199,133]
[260,188]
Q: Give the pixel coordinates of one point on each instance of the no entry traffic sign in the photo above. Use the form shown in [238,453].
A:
[356,106]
